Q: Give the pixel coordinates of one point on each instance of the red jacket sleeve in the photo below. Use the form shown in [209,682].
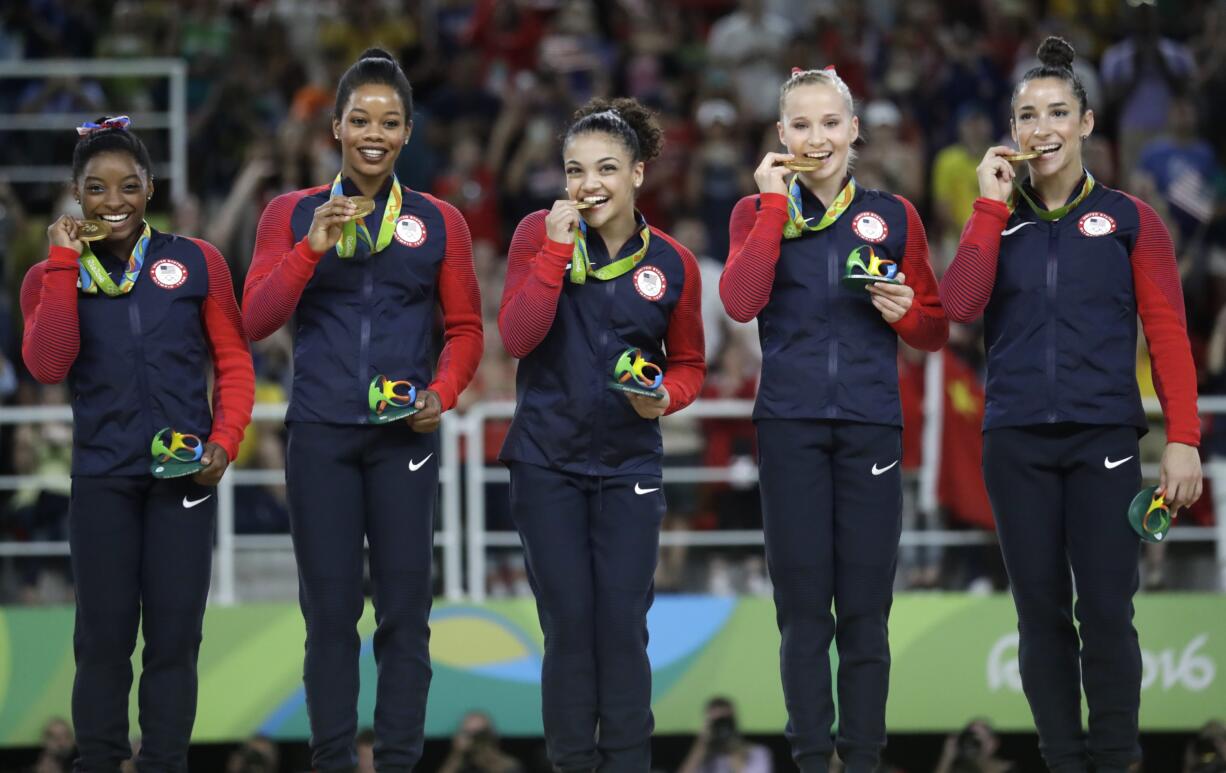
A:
[924,326]
[536,266]
[753,250]
[1155,277]
[967,284]
[684,342]
[460,299]
[280,269]
[233,375]
[52,338]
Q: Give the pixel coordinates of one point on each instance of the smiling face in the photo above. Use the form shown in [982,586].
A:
[817,124]
[372,130]
[600,169]
[1047,117]
[114,188]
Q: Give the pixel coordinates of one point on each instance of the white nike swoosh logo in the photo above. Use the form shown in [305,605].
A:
[1110,465]
[883,469]
[188,504]
[638,489]
[1017,227]
[415,466]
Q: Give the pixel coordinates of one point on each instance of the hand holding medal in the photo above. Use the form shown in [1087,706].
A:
[642,381]
[996,173]
[328,225]
[771,172]
[66,232]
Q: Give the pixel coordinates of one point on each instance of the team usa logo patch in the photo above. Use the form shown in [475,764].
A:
[650,283]
[870,227]
[1096,224]
[168,274]
[410,231]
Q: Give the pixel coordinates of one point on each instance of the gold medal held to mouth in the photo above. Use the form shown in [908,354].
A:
[584,204]
[93,230]
[1026,156]
[802,164]
[365,205]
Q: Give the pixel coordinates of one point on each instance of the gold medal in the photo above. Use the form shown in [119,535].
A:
[93,230]
[802,164]
[365,205]
[1027,156]
[583,204]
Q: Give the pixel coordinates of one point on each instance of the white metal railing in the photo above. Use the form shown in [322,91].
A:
[228,543]
[173,120]
[467,542]
[478,474]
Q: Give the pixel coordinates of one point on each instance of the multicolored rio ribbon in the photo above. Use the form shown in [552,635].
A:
[94,276]
[581,263]
[1051,214]
[355,230]
[796,224]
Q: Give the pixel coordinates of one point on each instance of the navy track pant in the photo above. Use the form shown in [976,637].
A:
[1061,494]
[142,555]
[346,483]
[831,508]
[591,545]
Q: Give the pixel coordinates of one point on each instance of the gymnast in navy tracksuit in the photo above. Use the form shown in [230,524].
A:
[1060,274]
[364,292]
[135,339]
[586,491]
[828,415]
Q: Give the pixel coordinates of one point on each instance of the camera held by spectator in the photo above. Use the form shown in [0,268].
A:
[474,748]
[720,747]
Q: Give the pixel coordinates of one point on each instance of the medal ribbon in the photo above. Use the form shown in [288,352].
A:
[797,225]
[581,263]
[1052,214]
[355,230]
[93,275]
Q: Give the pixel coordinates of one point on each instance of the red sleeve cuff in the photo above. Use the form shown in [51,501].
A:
[993,208]
[774,203]
[447,396]
[63,257]
[303,248]
[559,249]
[228,443]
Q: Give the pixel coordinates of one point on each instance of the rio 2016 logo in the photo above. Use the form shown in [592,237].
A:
[1168,669]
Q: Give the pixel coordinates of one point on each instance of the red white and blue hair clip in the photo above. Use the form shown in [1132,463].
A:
[121,122]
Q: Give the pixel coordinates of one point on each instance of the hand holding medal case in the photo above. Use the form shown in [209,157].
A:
[634,374]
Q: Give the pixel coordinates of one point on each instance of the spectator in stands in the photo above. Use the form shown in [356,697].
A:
[365,743]
[720,747]
[259,754]
[973,750]
[474,748]
[58,748]
[1206,752]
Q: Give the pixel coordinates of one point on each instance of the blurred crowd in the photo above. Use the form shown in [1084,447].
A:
[494,81]
[719,746]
